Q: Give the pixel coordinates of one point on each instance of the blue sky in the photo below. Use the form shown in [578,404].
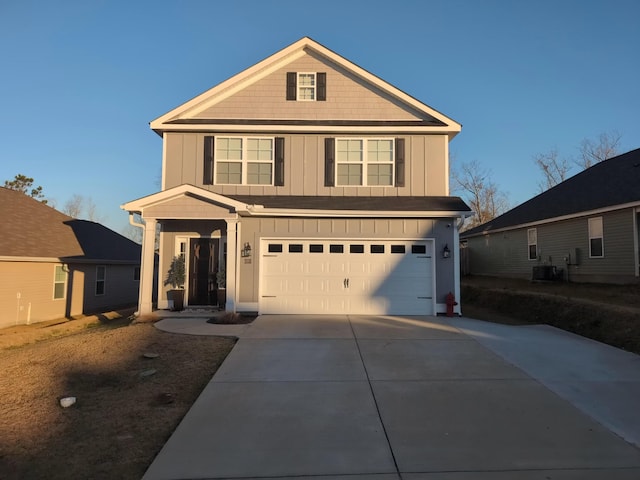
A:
[81,80]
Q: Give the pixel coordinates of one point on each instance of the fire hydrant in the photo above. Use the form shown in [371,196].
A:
[451,302]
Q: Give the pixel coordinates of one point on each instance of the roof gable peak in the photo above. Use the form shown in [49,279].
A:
[279,60]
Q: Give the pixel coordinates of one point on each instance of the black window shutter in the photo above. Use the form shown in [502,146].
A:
[278,175]
[292,78]
[399,162]
[321,79]
[329,162]
[208,161]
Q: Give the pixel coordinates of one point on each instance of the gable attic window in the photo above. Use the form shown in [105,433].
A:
[596,238]
[532,242]
[307,86]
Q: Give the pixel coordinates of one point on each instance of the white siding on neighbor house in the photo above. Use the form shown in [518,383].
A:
[505,253]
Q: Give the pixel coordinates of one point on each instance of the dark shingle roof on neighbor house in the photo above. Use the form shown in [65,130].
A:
[32,229]
[606,184]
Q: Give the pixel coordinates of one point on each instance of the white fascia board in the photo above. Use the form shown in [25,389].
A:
[280,128]
[293,212]
[137,206]
[586,213]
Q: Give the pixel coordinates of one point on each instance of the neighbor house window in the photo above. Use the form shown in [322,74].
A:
[532,241]
[244,161]
[364,162]
[101,276]
[59,282]
[596,237]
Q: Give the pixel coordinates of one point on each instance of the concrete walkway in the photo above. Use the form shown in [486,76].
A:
[418,398]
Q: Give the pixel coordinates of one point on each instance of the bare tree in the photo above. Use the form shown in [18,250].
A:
[593,152]
[24,184]
[133,233]
[91,209]
[81,207]
[482,194]
[73,206]
[554,169]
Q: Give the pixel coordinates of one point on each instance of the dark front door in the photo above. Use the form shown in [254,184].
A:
[203,265]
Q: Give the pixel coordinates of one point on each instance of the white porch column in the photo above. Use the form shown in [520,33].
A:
[145,295]
[232,262]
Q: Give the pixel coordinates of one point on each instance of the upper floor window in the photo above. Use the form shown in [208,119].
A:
[307,86]
[596,237]
[59,282]
[244,160]
[532,241]
[364,162]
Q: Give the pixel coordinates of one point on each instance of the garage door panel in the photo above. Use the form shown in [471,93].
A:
[332,279]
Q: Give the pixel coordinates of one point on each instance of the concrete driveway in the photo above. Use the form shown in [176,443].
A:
[418,398]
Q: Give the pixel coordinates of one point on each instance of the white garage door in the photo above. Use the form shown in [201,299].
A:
[373,277]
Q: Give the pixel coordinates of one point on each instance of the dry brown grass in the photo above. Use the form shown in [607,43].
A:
[121,419]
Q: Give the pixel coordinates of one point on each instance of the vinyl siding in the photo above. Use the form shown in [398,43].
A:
[505,253]
[34,282]
[120,288]
[348,97]
[425,167]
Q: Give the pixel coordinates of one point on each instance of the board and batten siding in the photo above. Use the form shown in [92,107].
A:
[425,167]
[253,229]
[505,253]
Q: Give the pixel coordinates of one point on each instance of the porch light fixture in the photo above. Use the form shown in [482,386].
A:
[446,253]
[246,250]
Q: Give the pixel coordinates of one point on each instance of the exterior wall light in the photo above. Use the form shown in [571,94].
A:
[446,253]
[246,250]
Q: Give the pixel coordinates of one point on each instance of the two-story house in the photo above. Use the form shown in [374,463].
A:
[315,185]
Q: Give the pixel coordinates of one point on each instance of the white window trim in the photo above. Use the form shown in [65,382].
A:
[592,237]
[365,163]
[103,280]
[64,282]
[245,161]
[529,243]
[299,87]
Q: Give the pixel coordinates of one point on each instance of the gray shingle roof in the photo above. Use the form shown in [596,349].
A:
[30,228]
[393,204]
[615,181]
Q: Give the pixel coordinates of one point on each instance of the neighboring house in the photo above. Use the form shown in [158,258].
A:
[315,185]
[584,229]
[54,266]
